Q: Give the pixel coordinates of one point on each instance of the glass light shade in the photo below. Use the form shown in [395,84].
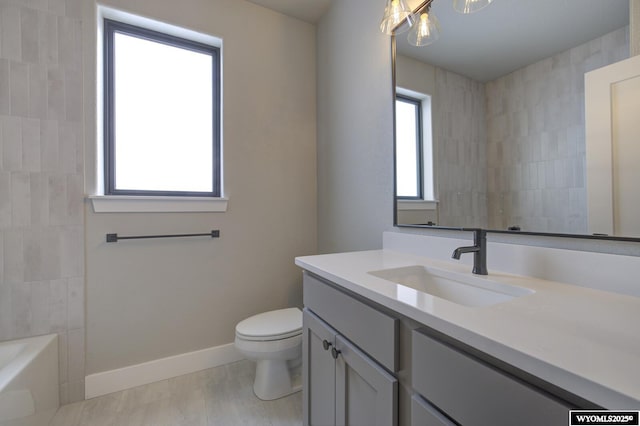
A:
[395,13]
[426,31]
[470,6]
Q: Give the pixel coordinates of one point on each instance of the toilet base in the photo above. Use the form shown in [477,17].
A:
[275,380]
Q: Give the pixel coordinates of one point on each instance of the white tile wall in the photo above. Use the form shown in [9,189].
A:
[41,181]
[536,142]
[5,93]
[460,150]
[518,157]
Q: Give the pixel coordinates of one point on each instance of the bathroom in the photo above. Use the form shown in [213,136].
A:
[307,169]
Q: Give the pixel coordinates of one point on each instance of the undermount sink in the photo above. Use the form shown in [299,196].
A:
[454,287]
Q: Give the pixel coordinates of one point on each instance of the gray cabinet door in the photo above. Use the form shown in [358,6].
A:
[425,414]
[366,395]
[318,374]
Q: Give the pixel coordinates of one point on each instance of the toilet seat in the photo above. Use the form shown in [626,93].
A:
[269,326]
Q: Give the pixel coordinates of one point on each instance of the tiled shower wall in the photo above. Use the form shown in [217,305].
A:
[41,179]
[536,140]
[460,141]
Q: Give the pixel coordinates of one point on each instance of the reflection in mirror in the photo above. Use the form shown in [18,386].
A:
[505,122]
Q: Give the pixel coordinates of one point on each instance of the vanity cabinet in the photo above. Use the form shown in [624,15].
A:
[353,373]
[343,385]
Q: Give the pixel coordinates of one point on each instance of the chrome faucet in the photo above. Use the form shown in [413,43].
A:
[479,250]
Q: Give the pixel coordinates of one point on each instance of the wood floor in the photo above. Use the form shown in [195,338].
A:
[221,396]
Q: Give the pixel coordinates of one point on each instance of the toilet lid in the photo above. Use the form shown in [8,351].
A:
[273,325]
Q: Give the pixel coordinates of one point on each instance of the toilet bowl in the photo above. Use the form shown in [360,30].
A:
[274,341]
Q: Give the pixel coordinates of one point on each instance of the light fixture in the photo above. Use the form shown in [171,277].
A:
[395,13]
[470,6]
[426,31]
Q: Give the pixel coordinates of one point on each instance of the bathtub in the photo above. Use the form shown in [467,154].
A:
[29,381]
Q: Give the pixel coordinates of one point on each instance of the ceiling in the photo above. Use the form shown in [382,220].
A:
[505,36]
[307,10]
[510,34]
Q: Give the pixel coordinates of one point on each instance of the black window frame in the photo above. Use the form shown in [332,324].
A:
[417,103]
[109,29]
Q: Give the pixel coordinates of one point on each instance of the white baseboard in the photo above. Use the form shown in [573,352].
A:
[160,369]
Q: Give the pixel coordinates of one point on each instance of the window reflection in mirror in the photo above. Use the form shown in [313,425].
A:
[409,165]
[414,154]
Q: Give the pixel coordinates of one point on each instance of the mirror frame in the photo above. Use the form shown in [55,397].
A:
[453,228]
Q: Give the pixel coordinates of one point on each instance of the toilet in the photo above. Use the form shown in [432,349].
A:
[274,340]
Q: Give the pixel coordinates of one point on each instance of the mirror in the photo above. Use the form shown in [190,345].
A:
[500,97]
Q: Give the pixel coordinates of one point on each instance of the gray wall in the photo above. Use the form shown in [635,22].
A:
[41,165]
[536,139]
[355,148]
[150,299]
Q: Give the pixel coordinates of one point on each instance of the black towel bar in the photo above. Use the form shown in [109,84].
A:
[114,238]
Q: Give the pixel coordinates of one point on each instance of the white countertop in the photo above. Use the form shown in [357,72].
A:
[583,340]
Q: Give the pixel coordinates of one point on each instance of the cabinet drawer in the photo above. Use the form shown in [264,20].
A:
[425,414]
[472,392]
[372,331]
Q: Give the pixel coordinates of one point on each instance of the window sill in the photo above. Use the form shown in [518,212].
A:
[417,204]
[144,204]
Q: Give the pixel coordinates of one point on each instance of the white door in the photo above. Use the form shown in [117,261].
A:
[612,112]
[626,156]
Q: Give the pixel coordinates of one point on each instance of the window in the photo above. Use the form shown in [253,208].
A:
[161,113]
